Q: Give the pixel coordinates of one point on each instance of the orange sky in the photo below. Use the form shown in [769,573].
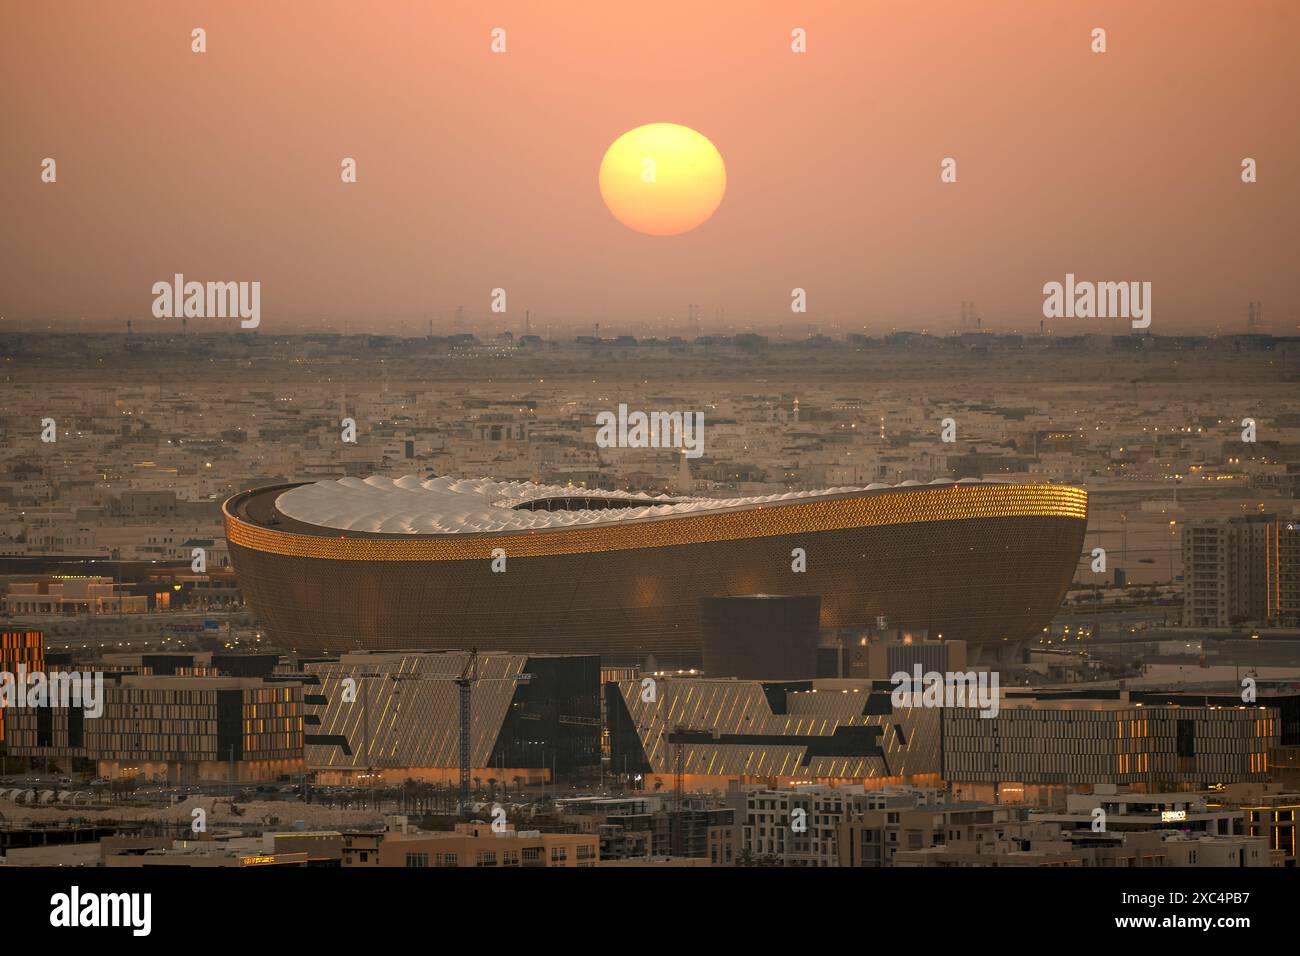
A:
[479,170]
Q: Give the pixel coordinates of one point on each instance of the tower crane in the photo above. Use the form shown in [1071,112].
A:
[468,675]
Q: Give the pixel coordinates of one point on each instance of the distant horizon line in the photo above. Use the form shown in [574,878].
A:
[572,334]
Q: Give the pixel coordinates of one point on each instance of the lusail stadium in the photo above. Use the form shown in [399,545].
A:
[447,563]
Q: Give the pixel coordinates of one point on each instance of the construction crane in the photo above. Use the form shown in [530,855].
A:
[679,793]
[468,675]
[680,736]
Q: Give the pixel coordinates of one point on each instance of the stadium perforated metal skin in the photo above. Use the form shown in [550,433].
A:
[985,563]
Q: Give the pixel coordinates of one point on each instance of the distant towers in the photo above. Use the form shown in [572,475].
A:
[128,326]
[460,319]
[1254,316]
[693,320]
[969,317]
[528,318]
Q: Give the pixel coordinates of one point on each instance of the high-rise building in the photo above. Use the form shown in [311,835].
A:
[1288,574]
[1234,570]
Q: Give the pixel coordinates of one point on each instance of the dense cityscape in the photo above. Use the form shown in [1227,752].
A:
[217,744]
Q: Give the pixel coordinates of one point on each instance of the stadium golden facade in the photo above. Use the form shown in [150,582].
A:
[621,576]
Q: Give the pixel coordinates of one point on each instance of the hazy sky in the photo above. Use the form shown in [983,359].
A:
[478,170]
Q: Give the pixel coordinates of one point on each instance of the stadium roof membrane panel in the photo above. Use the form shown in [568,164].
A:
[410,505]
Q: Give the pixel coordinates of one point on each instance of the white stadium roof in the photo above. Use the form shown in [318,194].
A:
[454,505]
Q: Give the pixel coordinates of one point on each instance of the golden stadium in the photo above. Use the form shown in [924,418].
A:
[513,566]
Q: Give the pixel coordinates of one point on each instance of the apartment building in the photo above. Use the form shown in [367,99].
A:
[1062,743]
[1241,570]
[875,837]
[169,728]
[1038,844]
[73,595]
[480,845]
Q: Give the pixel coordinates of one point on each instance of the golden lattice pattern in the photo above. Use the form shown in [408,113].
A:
[947,503]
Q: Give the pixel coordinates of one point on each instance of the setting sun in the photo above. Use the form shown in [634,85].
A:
[662,179]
